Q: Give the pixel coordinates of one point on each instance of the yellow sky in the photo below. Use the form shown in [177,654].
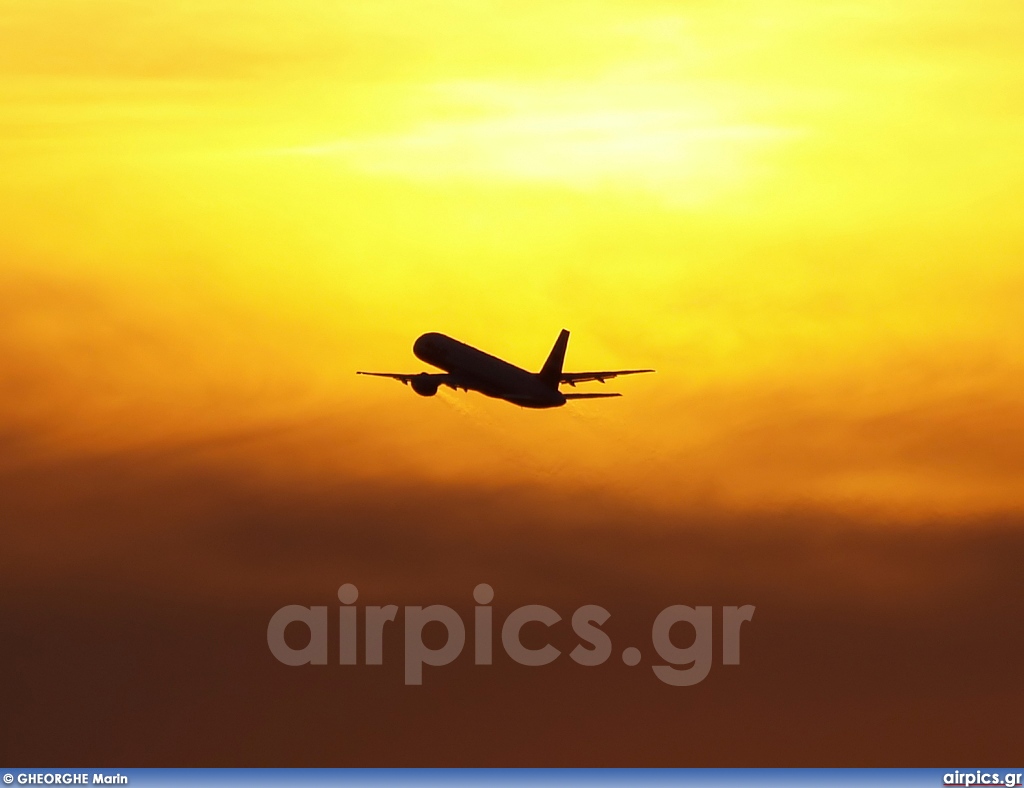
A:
[806,216]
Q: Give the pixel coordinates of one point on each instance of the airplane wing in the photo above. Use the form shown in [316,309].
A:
[427,378]
[572,378]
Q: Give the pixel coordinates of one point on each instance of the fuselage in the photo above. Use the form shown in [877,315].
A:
[479,371]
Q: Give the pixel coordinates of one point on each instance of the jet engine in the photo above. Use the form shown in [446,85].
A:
[424,386]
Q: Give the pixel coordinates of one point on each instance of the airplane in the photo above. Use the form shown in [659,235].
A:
[470,369]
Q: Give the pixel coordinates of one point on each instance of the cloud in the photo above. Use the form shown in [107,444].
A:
[833,434]
[139,587]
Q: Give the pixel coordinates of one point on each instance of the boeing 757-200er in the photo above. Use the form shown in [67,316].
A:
[470,369]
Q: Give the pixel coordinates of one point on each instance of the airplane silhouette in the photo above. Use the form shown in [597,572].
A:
[470,369]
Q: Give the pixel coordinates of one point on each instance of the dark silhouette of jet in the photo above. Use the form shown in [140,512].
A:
[470,369]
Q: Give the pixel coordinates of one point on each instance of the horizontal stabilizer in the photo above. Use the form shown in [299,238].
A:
[590,396]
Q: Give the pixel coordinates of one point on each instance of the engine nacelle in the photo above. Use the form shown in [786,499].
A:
[423,386]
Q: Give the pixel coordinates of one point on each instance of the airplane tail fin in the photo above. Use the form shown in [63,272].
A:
[551,372]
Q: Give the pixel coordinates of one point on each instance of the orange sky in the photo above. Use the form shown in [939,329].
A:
[806,216]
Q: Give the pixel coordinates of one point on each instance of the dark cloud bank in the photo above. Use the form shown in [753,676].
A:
[136,593]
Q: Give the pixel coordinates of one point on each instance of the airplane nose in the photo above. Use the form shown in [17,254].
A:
[421,346]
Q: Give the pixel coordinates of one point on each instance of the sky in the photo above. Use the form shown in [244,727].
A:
[802,216]
[805,216]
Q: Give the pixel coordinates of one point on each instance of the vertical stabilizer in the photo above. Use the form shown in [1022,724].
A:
[551,372]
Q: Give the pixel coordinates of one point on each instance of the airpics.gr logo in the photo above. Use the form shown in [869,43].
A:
[683,667]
